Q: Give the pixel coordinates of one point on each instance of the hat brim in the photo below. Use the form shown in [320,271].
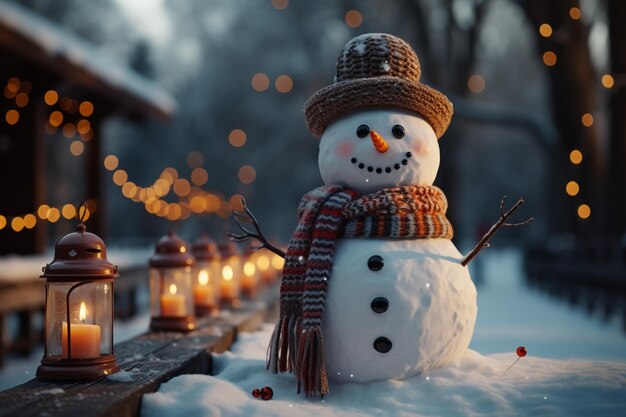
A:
[338,99]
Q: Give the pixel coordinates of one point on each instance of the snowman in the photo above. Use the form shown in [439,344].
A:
[373,288]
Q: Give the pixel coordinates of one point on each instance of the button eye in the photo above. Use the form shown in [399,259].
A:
[398,131]
[362,131]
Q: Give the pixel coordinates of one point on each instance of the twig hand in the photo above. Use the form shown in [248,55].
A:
[504,215]
[256,234]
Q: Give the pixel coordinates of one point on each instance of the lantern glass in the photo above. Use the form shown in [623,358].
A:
[206,284]
[250,276]
[230,278]
[171,292]
[90,332]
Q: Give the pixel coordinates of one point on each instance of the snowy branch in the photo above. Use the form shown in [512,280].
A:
[484,242]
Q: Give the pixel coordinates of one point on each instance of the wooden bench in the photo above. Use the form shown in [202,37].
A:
[148,360]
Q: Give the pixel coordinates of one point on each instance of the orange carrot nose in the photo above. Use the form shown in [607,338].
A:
[379,142]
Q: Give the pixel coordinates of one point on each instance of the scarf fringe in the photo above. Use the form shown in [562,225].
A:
[281,351]
[311,369]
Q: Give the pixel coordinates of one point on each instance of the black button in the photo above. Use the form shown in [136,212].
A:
[353,160]
[382,345]
[375,263]
[379,305]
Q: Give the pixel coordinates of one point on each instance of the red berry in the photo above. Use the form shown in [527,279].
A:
[267,393]
[521,351]
[256,393]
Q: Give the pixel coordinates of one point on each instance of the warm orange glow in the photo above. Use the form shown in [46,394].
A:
[608,81]
[30,221]
[574,13]
[572,188]
[17,224]
[260,82]
[54,215]
[237,138]
[21,100]
[249,269]
[84,213]
[545,30]
[161,187]
[235,202]
[174,211]
[353,18]
[195,159]
[203,277]
[56,118]
[69,130]
[185,211]
[247,174]
[283,84]
[51,97]
[263,263]
[3,221]
[584,211]
[170,175]
[549,58]
[227,273]
[8,94]
[51,130]
[87,136]
[212,202]
[199,176]
[77,147]
[86,108]
[68,211]
[173,289]
[43,211]
[111,162]
[129,189]
[182,187]
[197,204]
[120,177]
[280,4]
[12,117]
[576,157]
[277,262]
[83,126]
[82,312]
[476,83]
[13,85]
[224,211]
[587,120]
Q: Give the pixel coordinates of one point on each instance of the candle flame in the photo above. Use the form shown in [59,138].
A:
[82,311]
[203,277]
[227,273]
[263,262]
[173,288]
[249,269]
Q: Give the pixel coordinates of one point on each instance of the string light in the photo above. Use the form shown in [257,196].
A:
[12,117]
[576,157]
[575,13]
[247,174]
[572,188]
[587,120]
[608,81]
[476,83]
[77,147]
[260,82]
[545,30]
[86,108]
[51,97]
[353,18]
[549,58]
[283,84]
[237,138]
[584,211]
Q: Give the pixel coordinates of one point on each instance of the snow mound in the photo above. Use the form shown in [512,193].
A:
[473,385]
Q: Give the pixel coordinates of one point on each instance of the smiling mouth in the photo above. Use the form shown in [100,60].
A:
[380,170]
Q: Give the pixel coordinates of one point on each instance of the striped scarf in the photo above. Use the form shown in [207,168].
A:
[326,214]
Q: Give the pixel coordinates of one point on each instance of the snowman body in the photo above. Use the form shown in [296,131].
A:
[394,307]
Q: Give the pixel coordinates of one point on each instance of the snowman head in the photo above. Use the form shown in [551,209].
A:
[374,149]
[377,122]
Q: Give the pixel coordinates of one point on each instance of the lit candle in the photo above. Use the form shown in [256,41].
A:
[263,264]
[203,294]
[85,338]
[172,304]
[249,281]
[228,289]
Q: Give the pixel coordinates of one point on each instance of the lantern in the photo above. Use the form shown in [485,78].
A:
[78,323]
[171,285]
[230,274]
[206,276]
[251,275]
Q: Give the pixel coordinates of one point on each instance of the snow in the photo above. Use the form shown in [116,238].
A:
[474,385]
[60,43]
[14,268]
[430,314]
[121,376]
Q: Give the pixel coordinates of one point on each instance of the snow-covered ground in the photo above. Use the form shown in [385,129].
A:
[475,385]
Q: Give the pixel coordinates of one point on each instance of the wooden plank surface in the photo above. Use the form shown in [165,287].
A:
[147,361]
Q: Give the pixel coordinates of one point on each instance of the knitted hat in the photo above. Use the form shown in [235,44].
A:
[377,70]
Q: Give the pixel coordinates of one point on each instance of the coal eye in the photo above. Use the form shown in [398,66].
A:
[398,131]
[362,131]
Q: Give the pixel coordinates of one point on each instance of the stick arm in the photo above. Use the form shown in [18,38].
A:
[256,234]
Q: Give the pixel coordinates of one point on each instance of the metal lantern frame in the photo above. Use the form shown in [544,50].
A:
[208,257]
[171,255]
[80,258]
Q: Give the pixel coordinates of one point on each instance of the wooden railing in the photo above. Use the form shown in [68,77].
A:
[146,362]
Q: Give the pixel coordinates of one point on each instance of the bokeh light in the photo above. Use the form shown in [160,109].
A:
[260,82]
[353,18]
